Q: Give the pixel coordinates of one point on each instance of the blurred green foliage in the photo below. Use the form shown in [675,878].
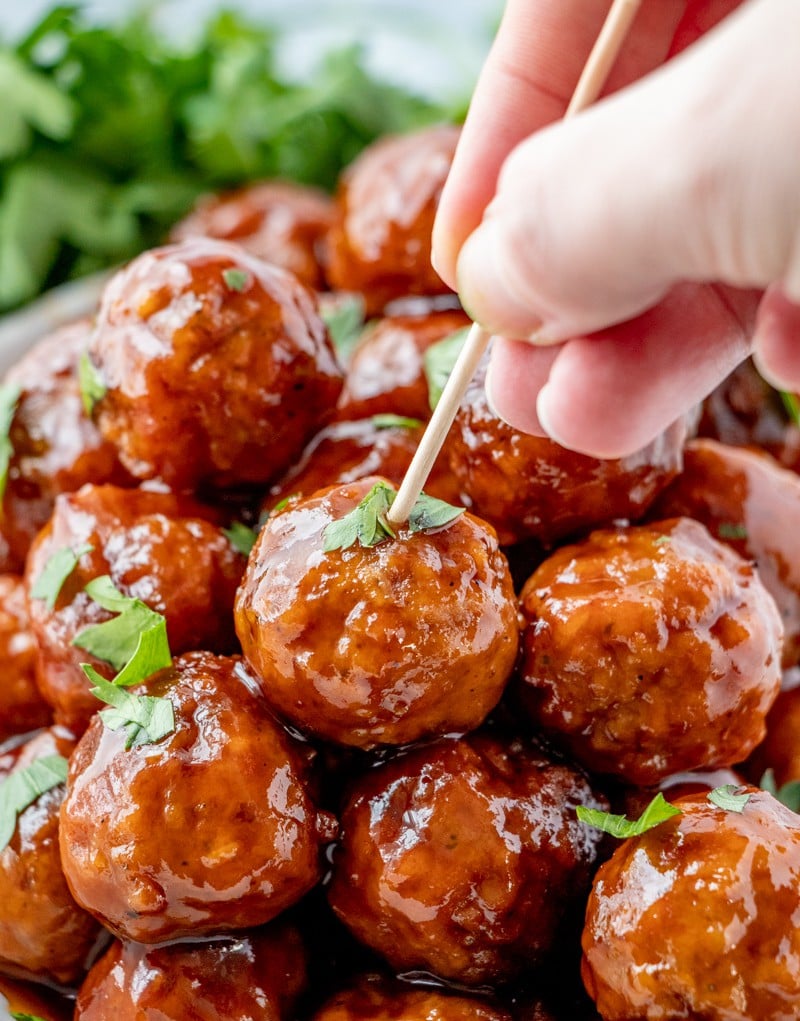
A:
[108,134]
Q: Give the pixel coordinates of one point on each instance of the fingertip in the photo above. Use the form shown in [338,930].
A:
[514,377]
[776,340]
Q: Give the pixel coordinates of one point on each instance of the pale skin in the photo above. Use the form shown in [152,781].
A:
[639,251]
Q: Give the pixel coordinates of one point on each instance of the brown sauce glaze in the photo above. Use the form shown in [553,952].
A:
[22,707]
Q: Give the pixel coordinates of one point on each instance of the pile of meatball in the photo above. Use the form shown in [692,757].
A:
[366,807]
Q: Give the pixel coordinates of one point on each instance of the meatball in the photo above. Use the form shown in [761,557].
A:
[387,371]
[280,222]
[744,411]
[210,829]
[256,976]
[156,548]
[464,857]
[380,242]
[780,749]
[28,1001]
[697,918]
[56,448]
[374,998]
[748,501]
[349,451]
[650,650]
[43,933]
[362,646]
[205,342]
[22,708]
[530,487]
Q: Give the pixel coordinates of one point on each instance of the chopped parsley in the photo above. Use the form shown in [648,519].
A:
[438,362]
[791,405]
[344,318]
[241,537]
[9,398]
[389,421]
[788,794]
[143,718]
[731,530]
[428,512]
[658,811]
[55,572]
[236,279]
[92,387]
[22,788]
[726,797]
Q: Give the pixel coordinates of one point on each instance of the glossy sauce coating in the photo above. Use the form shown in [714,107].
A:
[44,934]
[780,749]
[56,446]
[747,500]
[698,918]
[22,707]
[254,976]
[462,858]
[348,451]
[650,650]
[529,487]
[210,829]
[155,547]
[380,243]
[277,221]
[411,638]
[211,378]
[374,998]
[387,372]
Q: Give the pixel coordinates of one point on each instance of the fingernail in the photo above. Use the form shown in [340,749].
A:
[547,335]
[488,389]
[543,413]
[775,381]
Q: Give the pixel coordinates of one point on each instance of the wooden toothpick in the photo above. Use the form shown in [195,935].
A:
[593,77]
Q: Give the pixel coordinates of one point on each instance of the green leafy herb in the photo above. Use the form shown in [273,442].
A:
[438,362]
[388,421]
[788,794]
[110,133]
[344,318]
[792,406]
[428,512]
[241,537]
[55,572]
[21,1016]
[22,788]
[662,540]
[144,719]
[659,810]
[9,398]
[727,798]
[731,530]
[235,279]
[366,524]
[134,642]
[92,387]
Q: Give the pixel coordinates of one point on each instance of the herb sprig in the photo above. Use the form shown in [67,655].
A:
[241,537]
[788,794]
[658,811]
[9,399]
[91,385]
[438,362]
[22,788]
[55,572]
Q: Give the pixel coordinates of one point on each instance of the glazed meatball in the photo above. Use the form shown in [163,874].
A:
[380,242]
[697,918]
[256,976]
[56,448]
[780,749]
[387,371]
[27,1000]
[22,708]
[43,933]
[205,344]
[744,411]
[375,998]
[280,222]
[156,548]
[463,858]
[209,829]
[349,451]
[650,650]
[529,487]
[748,501]
[362,646]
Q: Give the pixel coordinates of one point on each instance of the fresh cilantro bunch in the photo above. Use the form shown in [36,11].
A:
[108,134]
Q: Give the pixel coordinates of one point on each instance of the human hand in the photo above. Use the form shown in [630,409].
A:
[606,229]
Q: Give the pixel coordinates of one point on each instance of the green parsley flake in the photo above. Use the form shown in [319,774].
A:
[438,362]
[236,279]
[21,1016]
[345,321]
[791,405]
[242,538]
[428,512]
[727,798]
[144,719]
[662,540]
[658,811]
[9,398]
[92,387]
[135,641]
[389,421]
[731,530]
[22,788]
[55,572]
[788,794]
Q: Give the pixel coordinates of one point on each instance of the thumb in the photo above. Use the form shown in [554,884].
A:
[688,175]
